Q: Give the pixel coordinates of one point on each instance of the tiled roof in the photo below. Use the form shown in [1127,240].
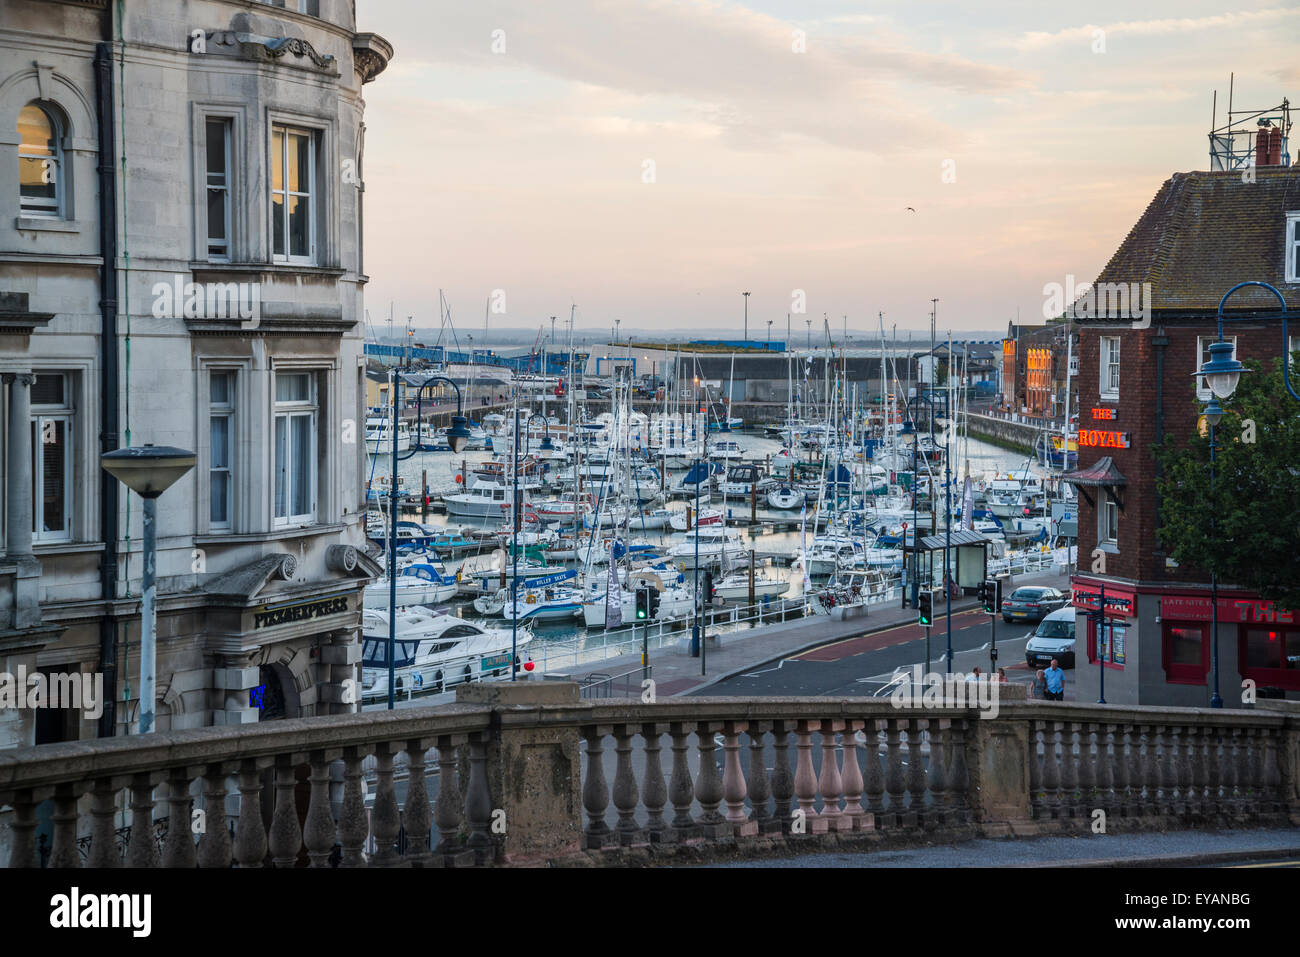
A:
[1207,231]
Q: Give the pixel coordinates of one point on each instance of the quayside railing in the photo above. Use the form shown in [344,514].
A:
[528,773]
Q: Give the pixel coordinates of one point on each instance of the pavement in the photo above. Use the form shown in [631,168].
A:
[733,654]
[1258,847]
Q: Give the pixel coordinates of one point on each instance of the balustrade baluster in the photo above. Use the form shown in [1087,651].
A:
[64,852]
[353,826]
[829,781]
[895,783]
[22,829]
[855,818]
[1104,769]
[1213,772]
[1196,738]
[1255,752]
[782,779]
[1130,766]
[385,818]
[1184,743]
[1051,770]
[681,790]
[1085,772]
[805,781]
[1167,775]
[1035,771]
[103,841]
[958,777]
[178,848]
[1070,797]
[214,850]
[417,814]
[1272,773]
[285,838]
[760,789]
[1150,776]
[142,849]
[654,790]
[734,787]
[1120,770]
[250,835]
[708,784]
[915,775]
[478,799]
[449,809]
[1241,750]
[595,789]
[625,789]
[873,775]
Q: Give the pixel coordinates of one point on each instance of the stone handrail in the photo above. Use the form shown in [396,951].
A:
[527,774]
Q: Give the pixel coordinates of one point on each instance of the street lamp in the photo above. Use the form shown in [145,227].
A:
[1213,416]
[148,470]
[746,295]
[1223,371]
[769,333]
[697,640]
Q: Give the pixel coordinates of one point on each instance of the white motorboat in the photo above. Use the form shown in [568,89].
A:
[379,438]
[707,516]
[484,499]
[710,543]
[735,587]
[432,651]
[675,601]
[544,603]
[830,552]
[784,497]
[417,584]
[725,450]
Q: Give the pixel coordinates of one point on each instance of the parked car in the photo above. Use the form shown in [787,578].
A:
[1033,603]
[1053,638]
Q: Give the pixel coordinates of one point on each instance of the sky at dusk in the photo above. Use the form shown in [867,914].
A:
[649,160]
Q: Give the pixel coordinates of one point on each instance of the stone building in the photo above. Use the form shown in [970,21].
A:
[181,264]
[1203,233]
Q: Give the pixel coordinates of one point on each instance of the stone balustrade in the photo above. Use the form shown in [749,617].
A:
[529,774]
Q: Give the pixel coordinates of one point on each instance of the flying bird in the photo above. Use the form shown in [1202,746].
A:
[910,208]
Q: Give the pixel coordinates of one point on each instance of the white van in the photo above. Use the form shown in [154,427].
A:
[1054,638]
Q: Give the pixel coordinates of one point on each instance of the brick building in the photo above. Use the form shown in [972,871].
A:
[1035,360]
[1202,233]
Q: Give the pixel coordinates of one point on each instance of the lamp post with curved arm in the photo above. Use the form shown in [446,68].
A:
[457,437]
[1222,372]
[514,528]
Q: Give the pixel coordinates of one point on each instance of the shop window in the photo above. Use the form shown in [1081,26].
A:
[1186,652]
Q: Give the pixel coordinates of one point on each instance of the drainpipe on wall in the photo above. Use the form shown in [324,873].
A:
[1160,341]
[108,365]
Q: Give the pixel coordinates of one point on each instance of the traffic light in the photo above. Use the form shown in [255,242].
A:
[708,587]
[990,595]
[982,594]
[924,605]
[654,595]
[642,604]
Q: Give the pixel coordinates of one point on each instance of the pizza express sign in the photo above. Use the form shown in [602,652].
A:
[269,616]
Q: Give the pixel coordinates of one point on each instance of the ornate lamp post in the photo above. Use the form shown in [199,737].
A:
[149,470]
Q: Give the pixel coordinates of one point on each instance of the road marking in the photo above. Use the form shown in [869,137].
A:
[755,674]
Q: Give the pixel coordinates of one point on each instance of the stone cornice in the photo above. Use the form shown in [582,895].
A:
[371,54]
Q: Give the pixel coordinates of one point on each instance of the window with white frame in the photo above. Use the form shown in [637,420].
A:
[1109,386]
[1203,344]
[40,161]
[1107,519]
[218,153]
[1293,247]
[52,457]
[221,439]
[293,194]
[295,448]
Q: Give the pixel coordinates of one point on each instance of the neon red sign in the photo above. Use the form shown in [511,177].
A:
[1098,438]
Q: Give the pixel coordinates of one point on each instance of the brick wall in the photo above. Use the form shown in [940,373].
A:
[1139,557]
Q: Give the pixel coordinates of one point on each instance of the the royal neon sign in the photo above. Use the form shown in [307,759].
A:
[1101,439]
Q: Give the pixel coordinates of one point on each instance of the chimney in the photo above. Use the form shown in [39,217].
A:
[1275,146]
[1261,146]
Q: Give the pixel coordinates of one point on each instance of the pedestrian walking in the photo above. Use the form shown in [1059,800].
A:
[1040,685]
[1055,682]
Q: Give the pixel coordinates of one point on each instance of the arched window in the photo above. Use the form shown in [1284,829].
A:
[39,162]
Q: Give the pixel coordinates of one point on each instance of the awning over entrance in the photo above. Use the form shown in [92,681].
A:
[1101,474]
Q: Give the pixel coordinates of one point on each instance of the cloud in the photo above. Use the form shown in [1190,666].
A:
[1034,41]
